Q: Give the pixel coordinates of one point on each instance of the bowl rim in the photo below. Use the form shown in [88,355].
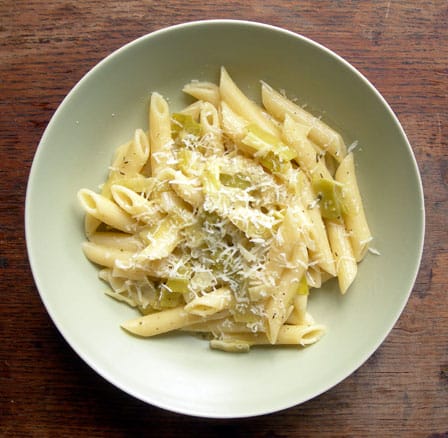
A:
[35,169]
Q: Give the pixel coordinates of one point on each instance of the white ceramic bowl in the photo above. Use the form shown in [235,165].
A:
[178,372]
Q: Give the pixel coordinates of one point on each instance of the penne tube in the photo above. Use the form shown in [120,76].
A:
[193,110]
[174,205]
[354,215]
[234,126]
[106,211]
[115,168]
[220,326]
[122,241]
[330,163]
[322,255]
[91,224]
[314,276]
[346,266]
[136,205]
[163,322]
[189,189]
[280,255]
[137,182]
[304,223]
[205,91]
[104,255]
[298,314]
[242,105]
[211,302]
[307,158]
[301,335]
[278,106]
[134,269]
[160,133]
[162,241]
[129,160]
[136,155]
[281,252]
[280,304]
[119,155]
[210,123]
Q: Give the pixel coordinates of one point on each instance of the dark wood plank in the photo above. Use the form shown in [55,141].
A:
[46,47]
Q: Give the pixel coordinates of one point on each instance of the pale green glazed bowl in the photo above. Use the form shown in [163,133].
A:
[178,372]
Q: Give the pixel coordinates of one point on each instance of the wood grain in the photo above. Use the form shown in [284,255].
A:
[46,47]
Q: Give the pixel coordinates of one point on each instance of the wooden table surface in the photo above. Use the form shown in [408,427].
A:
[46,47]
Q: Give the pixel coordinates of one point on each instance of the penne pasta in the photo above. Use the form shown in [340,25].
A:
[233,125]
[211,127]
[354,216]
[322,254]
[162,241]
[130,159]
[278,106]
[104,255]
[160,133]
[137,206]
[346,267]
[211,303]
[189,189]
[242,105]
[225,216]
[298,315]
[288,335]
[206,91]
[161,322]
[91,224]
[193,110]
[307,158]
[280,304]
[121,241]
[220,326]
[106,211]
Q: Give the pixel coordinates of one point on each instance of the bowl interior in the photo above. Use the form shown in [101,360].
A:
[175,371]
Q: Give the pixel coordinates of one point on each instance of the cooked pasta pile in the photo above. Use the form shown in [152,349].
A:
[221,218]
